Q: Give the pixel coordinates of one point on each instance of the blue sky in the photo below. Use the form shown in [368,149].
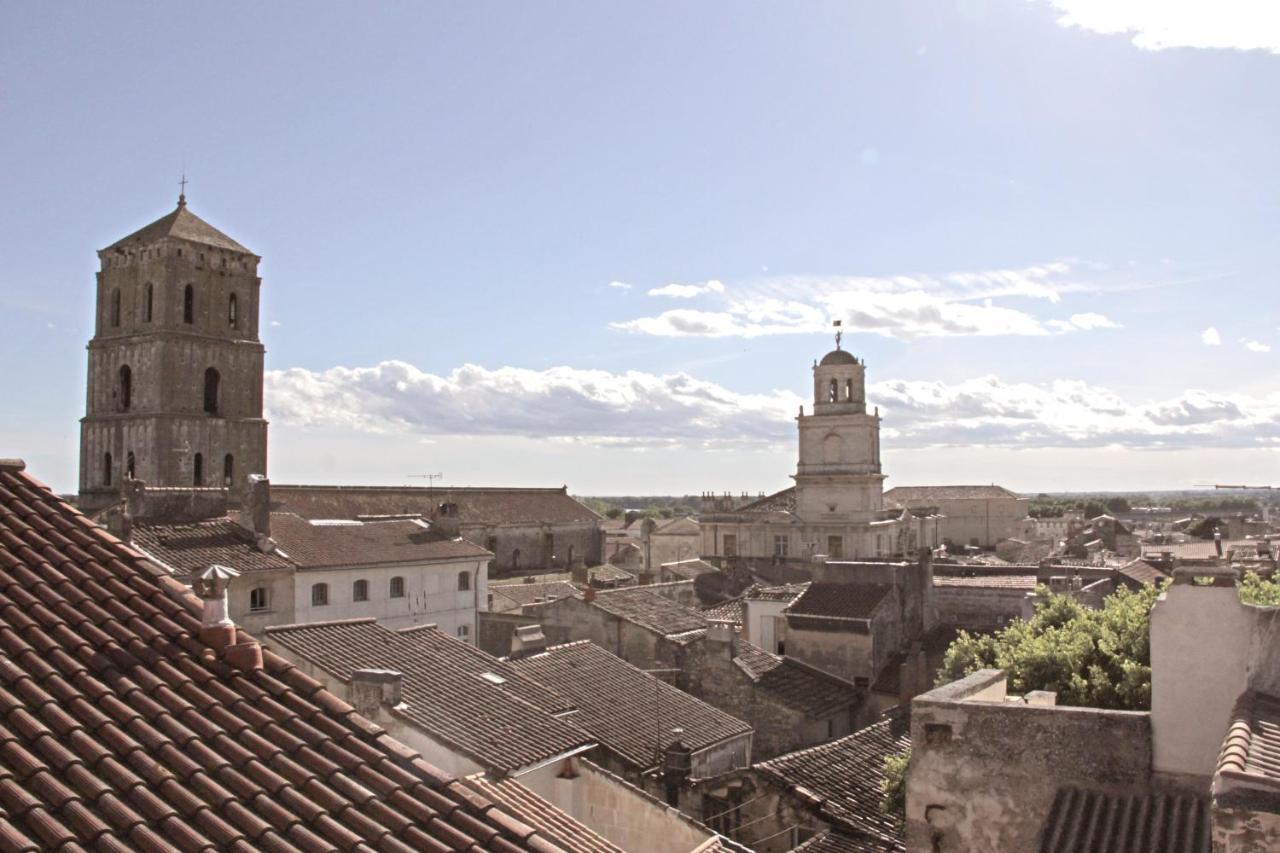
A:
[1035,218]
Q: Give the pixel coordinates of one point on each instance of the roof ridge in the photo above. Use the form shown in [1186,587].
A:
[329,623]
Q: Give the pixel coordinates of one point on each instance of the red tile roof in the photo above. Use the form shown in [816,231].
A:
[621,705]
[121,729]
[551,822]
[474,505]
[502,726]
[1252,744]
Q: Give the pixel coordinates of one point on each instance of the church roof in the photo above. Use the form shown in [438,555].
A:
[184,225]
[839,356]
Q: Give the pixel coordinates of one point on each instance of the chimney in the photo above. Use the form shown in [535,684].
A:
[120,522]
[1217,542]
[255,514]
[578,573]
[722,639]
[589,594]
[216,628]
[677,765]
[372,688]
[527,640]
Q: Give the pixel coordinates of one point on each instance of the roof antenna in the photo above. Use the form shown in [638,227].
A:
[182,190]
[839,331]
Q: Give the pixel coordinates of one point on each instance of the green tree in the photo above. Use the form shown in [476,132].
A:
[1205,528]
[893,787]
[1092,658]
[1118,504]
[613,512]
[1255,590]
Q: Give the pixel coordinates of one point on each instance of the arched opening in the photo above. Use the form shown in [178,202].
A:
[115,307]
[149,310]
[360,591]
[212,379]
[397,587]
[129,466]
[319,594]
[833,394]
[197,470]
[228,470]
[126,387]
[106,469]
[848,390]
[233,312]
[464,581]
[188,304]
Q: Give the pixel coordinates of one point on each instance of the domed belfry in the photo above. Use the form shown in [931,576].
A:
[175,363]
[838,473]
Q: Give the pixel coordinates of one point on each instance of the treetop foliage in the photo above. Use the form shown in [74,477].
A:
[1256,590]
[1092,658]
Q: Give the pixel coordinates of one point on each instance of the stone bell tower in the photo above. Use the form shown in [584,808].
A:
[838,476]
[175,363]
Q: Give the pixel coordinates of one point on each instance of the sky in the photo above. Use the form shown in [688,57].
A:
[601,244]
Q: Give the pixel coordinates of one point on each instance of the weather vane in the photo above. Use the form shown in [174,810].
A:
[839,331]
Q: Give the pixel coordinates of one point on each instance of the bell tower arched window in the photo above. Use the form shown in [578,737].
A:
[188,305]
[848,390]
[233,312]
[197,470]
[212,379]
[833,395]
[115,307]
[228,470]
[129,466]
[126,387]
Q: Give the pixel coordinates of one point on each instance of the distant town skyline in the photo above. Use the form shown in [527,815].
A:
[529,245]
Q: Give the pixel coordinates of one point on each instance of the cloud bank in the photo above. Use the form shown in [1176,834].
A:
[638,409]
[1162,24]
[905,307]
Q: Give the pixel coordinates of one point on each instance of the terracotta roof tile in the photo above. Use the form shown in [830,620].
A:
[1082,821]
[616,702]
[370,543]
[552,823]
[845,775]
[649,610]
[474,505]
[190,548]
[502,725]
[120,729]
[802,688]
[837,606]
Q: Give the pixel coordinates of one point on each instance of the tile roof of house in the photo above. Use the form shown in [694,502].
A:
[474,505]
[837,606]
[733,610]
[189,548]
[802,688]
[648,609]
[781,592]
[845,775]
[627,710]
[121,729]
[1252,744]
[497,724]
[783,501]
[530,593]
[835,841]
[924,494]
[319,545]
[1082,821]
[550,821]
[184,225]
[689,569]
[1142,571]
[608,573]
[685,526]
[1027,582]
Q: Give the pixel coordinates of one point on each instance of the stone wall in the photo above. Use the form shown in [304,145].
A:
[982,608]
[984,770]
[495,630]
[528,548]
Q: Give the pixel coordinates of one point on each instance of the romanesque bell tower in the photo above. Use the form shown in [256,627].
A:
[838,476]
[175,363]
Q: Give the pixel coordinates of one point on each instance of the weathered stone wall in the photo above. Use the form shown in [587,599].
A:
[579,543]
[981,608]
[1245,830]
[495,630]
[984,770]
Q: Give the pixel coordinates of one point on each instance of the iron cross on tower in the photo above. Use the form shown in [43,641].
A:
[839,331]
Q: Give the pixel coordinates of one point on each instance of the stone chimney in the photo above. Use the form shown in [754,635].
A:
[1217,542]
[722,639]
[120,521]
[527,640]
[578,573]
[216,628]
[373,688]
[255,513]
[677,766]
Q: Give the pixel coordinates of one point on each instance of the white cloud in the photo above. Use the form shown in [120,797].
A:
[1210,337]
[1255,346]
[620,285]
[638,409]
[688,291]
[275,323]
[1161,24]
[903,307]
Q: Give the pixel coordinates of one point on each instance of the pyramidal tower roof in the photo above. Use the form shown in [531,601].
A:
[184,225]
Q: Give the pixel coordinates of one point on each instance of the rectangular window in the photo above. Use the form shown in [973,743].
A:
[780,545]
[464,632]
[257,599]
[835,547]
[730,545]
